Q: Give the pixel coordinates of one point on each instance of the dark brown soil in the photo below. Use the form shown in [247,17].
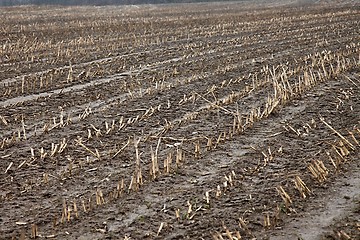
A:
[243,102]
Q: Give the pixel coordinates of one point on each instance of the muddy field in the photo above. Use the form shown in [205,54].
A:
[199,121]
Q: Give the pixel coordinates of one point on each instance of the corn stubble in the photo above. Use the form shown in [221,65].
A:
[286,83]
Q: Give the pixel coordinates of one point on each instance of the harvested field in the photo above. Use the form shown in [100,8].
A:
[185,121]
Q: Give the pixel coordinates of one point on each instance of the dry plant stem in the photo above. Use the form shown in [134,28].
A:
[154,160]
[64,212]
[335,163]
[301,187]
[197,150]
[121,149]
[285,196]
[215,105]
[160,228]
[354,138]
[244,226]
[337,133]
[137,173]
[23,128]
[83,205]
[267,223]
[350,80]
[154,164]
[8,168]
[217,236]
[179,157]
[335,148]
[318,170]
[228,233]
[34,231]
[97,155]
[76,210]
[177,214]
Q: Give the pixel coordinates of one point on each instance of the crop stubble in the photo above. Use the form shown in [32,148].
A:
[184,121]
